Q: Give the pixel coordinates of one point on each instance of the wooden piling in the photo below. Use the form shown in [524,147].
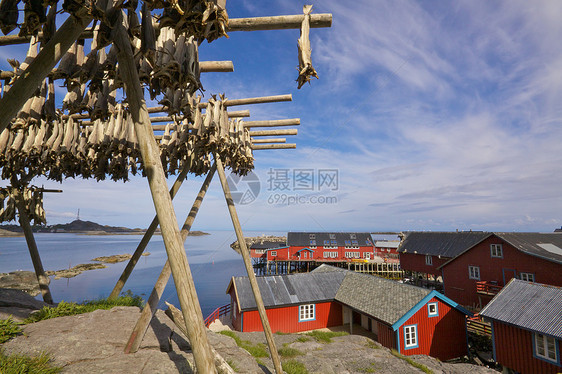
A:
[149,309]
[32,246]
[248,264]
[273,123]
[274,132]
[181,272]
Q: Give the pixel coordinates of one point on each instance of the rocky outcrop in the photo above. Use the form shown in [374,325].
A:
[20,280]
[18,304]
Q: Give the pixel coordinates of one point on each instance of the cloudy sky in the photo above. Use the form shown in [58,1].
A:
[427,116]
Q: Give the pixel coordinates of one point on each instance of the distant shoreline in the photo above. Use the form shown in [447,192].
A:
[12,234]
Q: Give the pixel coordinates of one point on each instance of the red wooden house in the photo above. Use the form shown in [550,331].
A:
[476,275]
[424,252]
[324,247]
[526,323]
[258,249]
[387,250]
[410,319]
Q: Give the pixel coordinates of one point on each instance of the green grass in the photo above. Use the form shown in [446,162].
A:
[257,350]
[281,333]
[289,352]
[232,365]
[303,339]
[21,364]
[294,367]
[325,336]
[371,344]
[70,309]
[422,367]
[8,329]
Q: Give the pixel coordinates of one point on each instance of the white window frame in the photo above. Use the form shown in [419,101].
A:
[259,251]
[307,312]
[544,343]
[429,260]
[411,336]
[473,272]
[434,313]
[496,250]
[528,277]
[273,253]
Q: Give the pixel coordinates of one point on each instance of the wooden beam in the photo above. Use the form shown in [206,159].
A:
[152,165]
[150,308]
[278,22]
[238,113]
[204,67]
[42,278]
[273,146]
[26,85]
[270,140]
[259,100]
[249,269]
[273,123]
[273,132]
[146,237]
[216,66]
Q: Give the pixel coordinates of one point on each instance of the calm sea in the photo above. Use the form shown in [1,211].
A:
[210,257]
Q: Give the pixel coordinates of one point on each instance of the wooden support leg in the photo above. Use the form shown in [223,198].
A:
[33,252]
[46,59]
[152,164]
[143,322]
[247,263]
[146,238]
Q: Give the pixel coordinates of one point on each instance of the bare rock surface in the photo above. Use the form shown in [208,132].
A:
[18,304]
[20,280]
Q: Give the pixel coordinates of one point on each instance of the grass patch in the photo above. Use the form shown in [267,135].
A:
[289,352]
[417,365]
[257,350]
[260,362]
[294,367]
[281,333]
[325,336]
[20,364]
[8,329]
[303,339]
[71,309]
[232,365]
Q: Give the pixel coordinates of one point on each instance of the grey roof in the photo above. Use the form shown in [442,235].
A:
[302,239]
[387,243]
[532,306]
[387,300]
[545,245]
[444,244]
[279,290]
[267,244]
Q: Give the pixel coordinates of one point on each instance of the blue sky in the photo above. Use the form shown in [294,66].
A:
[435,115]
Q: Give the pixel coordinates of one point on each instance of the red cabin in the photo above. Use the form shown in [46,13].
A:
[526,323]
[425,252]
[387,250]
[476,275]
[410,319]
[259,248]
[324,247]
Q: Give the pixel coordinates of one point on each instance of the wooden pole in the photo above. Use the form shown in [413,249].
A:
[149,309]
[48,57]
[259,100]
[273,132]
[146,238]
[181,272]
[273,123]
[248,264]
[32,245]
[273,146]
[239,113]
[216,66]
[278,22]
[270,140]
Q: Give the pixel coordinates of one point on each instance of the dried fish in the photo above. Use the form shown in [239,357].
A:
[306,71]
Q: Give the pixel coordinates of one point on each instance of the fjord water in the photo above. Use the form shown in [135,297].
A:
[210,257]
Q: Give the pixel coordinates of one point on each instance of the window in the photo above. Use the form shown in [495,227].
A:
[432,310]
[474,272]
[352,236]
[313,243]
[545,347]
[367,255]
[355,243]
[306,312]
[496,250]
[334,243]
[260,251]
[529,277]
[428,260]
[347,243]
[304,254]
[332,236]
[330,254]
[312,236]
[273,253]
[411,336]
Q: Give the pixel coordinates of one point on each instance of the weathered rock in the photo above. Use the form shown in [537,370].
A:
[74,271]
[20,280]
[18,304]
